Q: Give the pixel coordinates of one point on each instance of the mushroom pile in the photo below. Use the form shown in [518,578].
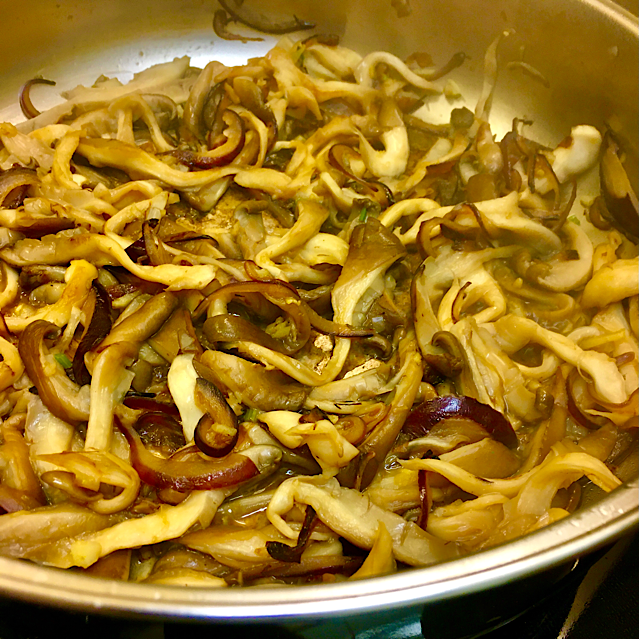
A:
[272,324]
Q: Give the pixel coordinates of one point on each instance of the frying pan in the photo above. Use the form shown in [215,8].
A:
[585,57]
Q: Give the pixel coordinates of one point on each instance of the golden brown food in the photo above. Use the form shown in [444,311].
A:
[269,324]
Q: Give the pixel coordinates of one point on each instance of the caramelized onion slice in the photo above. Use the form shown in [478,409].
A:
[425,497]
[183,476]
[160,432]
[252,98]
[217,431]
[57,392]
[151,405]
[14,184]
[26,105]
[220,23]
[432,411]
[284,552]
[339,157]
[99,328]
[242,13]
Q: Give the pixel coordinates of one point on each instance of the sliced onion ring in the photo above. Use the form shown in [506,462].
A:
[99,328]
[259,22]
[435,410]
[151,405]
[293,554]
[183,476]
[26,105]
[15,182]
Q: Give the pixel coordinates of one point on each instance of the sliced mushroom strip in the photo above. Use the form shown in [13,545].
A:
[220,155]
[364,73]
[277,293]
[79,277]
[204,100]
[612,283]
[563,466]
[503,220]
[11,366]
[513,333]
[217,431]
[311,216]
[326,443]
[138,162]
[252,98]
[340,156]
[91,470]
[352,515]
[392,161]
[19,485]
[231,328]
[253,383]
[146,321]
[378,443]
[60,395]
[104,251]
[169,522]
[373,249]
[110,382]
[577,153]
[565,275]
[28,534]
[545,305]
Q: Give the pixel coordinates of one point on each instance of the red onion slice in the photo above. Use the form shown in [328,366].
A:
[183,476]
[435,410]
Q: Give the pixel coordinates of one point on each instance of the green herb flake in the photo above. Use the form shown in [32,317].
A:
[280,328]
[63,360]
[363,214]
[574,219]
[251,415]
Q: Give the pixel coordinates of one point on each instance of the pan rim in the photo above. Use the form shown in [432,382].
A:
[533,553]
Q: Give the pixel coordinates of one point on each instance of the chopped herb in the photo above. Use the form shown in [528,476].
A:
[251,415]
[574,219]
[280,328]
[63,360]
[363,214]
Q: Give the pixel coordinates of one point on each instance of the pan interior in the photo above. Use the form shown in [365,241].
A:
[585,56]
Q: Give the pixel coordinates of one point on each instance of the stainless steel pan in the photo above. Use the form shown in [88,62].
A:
[586,52]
